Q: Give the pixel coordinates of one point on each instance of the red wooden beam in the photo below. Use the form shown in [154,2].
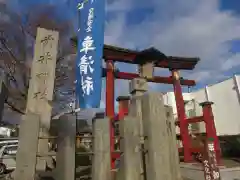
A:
[195,119]
[172,62]
[155,79]
[128,56]
[193,150]
[192,120]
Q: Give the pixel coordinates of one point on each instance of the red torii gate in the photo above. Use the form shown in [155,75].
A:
[113,54]
[174,64]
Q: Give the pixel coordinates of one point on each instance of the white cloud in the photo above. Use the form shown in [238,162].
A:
[176,27]
[233,61]
[184,28]
[118,5]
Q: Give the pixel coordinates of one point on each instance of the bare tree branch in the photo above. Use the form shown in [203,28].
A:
[14,108]
[16,63]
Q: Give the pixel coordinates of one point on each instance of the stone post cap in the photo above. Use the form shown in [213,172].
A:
[138,84]
[123,98]
[206,103]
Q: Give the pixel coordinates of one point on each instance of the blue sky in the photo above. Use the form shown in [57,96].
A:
[209,29]
[232,5]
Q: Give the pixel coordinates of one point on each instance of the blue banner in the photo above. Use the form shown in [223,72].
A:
[90,52]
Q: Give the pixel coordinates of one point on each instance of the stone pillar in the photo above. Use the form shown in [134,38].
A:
[159,149]
[101,167]
[41,85]
[146,70]
[174,158]
[130,164]
[28,147]
[137,88]
[66,143]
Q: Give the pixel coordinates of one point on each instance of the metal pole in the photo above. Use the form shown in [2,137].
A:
[207,93]
[237,87]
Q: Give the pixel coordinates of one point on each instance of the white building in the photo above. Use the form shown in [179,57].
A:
[226,109]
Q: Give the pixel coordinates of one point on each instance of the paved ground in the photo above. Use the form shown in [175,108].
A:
[6,177]
[231,163]
[227,162]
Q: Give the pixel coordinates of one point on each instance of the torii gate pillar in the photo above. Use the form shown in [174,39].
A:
[182,116]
